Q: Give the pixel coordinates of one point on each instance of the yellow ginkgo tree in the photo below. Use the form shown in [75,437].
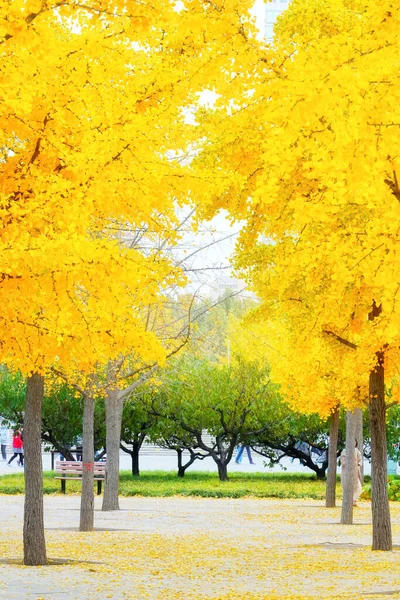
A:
[313,152]
[95,135]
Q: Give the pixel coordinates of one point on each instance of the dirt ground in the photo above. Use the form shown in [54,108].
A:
[190,549]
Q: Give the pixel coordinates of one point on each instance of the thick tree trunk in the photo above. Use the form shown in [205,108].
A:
[330,500]
[321,471]
[87,497]
[381,527]
[114,406]
[360,438]
[349,474]
[34,540]
[222,471]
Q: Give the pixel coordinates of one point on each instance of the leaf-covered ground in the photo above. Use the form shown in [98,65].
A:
[192,549]
[161,483]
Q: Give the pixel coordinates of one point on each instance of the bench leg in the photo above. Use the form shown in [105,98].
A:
[63,486]
[99,487]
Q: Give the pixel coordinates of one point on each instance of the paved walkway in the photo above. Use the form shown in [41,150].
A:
[192,549]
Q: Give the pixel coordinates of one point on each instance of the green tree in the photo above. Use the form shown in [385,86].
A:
[61,416]
[137,424]
[215,403]
[286,433]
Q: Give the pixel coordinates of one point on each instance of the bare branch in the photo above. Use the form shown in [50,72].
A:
[124,394]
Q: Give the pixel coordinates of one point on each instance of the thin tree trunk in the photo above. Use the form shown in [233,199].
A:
[330,500]
[87,497]
[360,438]
[348,472]
[181,470]
[34,539]
[134,453]
[381,526]
[135,459]
[114,406]
[182,467]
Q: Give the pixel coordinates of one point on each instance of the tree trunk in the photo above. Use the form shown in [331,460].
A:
[330,500]
[381,527]
[181,470]
[87,497]
[222,471]
[114,406]
[348,474]
[134,453]
[34,540]
[182,467]
[135,458]
[360,438]
[321,471]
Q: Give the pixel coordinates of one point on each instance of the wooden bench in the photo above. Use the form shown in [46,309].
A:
[72,469]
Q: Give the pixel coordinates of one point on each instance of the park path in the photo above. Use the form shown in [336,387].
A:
[192,549]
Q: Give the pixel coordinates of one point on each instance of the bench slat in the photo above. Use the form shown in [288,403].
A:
[79,470]
[74,465]
[78,478]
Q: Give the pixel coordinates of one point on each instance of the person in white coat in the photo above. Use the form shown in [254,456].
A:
[4,437]
[357,472]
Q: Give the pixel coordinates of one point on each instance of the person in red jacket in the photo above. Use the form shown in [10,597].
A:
[18,448]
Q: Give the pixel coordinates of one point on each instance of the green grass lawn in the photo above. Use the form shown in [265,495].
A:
[207,485]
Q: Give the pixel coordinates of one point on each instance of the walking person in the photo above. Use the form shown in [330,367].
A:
[357,472]
[21,456]
[240,453]
[17,446]
[4,441]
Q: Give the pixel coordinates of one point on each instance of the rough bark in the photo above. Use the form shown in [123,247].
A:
[381,526]
[348,479]
[34,539]
[87,497]
[330,500]
[360,438]
[114,405]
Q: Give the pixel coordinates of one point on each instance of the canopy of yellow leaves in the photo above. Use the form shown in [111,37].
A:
[314,154]
[94,138]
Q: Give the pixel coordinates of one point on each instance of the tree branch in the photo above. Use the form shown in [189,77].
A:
[340,339]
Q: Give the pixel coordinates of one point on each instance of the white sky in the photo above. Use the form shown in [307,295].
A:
[258,12]
[218,254]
